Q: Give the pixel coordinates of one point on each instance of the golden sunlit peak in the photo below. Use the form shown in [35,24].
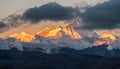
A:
[48,32]
[69,30]
[53,32]
[58,32]
[23,37]
[108,36]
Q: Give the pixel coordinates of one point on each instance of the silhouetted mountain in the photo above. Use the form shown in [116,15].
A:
[100,51]
[36,60]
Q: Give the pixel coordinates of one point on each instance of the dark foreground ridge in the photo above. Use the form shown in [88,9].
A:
[37,60]
[99,51]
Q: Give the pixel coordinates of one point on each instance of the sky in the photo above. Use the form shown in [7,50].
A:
[100,15]
[7,7]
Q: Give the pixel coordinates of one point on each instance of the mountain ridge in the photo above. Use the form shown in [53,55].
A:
[37,60]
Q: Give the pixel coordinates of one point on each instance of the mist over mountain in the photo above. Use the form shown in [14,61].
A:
[64,40]
[58,36]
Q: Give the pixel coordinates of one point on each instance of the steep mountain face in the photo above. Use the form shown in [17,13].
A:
[70,31]
[51,32]
[37,60]
[59,32]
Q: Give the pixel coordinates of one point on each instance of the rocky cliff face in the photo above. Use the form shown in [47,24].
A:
[59,32]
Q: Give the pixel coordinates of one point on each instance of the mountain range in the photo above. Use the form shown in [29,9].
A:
[64,39]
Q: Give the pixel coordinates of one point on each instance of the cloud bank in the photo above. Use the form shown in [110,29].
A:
[2,25]
[50,11]
[102,16]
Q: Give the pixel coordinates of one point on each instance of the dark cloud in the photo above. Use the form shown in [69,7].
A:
[2,25]
[14,20]
[102,16]
[50,11]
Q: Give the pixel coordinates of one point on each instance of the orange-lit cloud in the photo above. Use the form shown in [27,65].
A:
[101,42]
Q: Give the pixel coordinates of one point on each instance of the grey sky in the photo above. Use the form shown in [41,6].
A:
[8,7]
